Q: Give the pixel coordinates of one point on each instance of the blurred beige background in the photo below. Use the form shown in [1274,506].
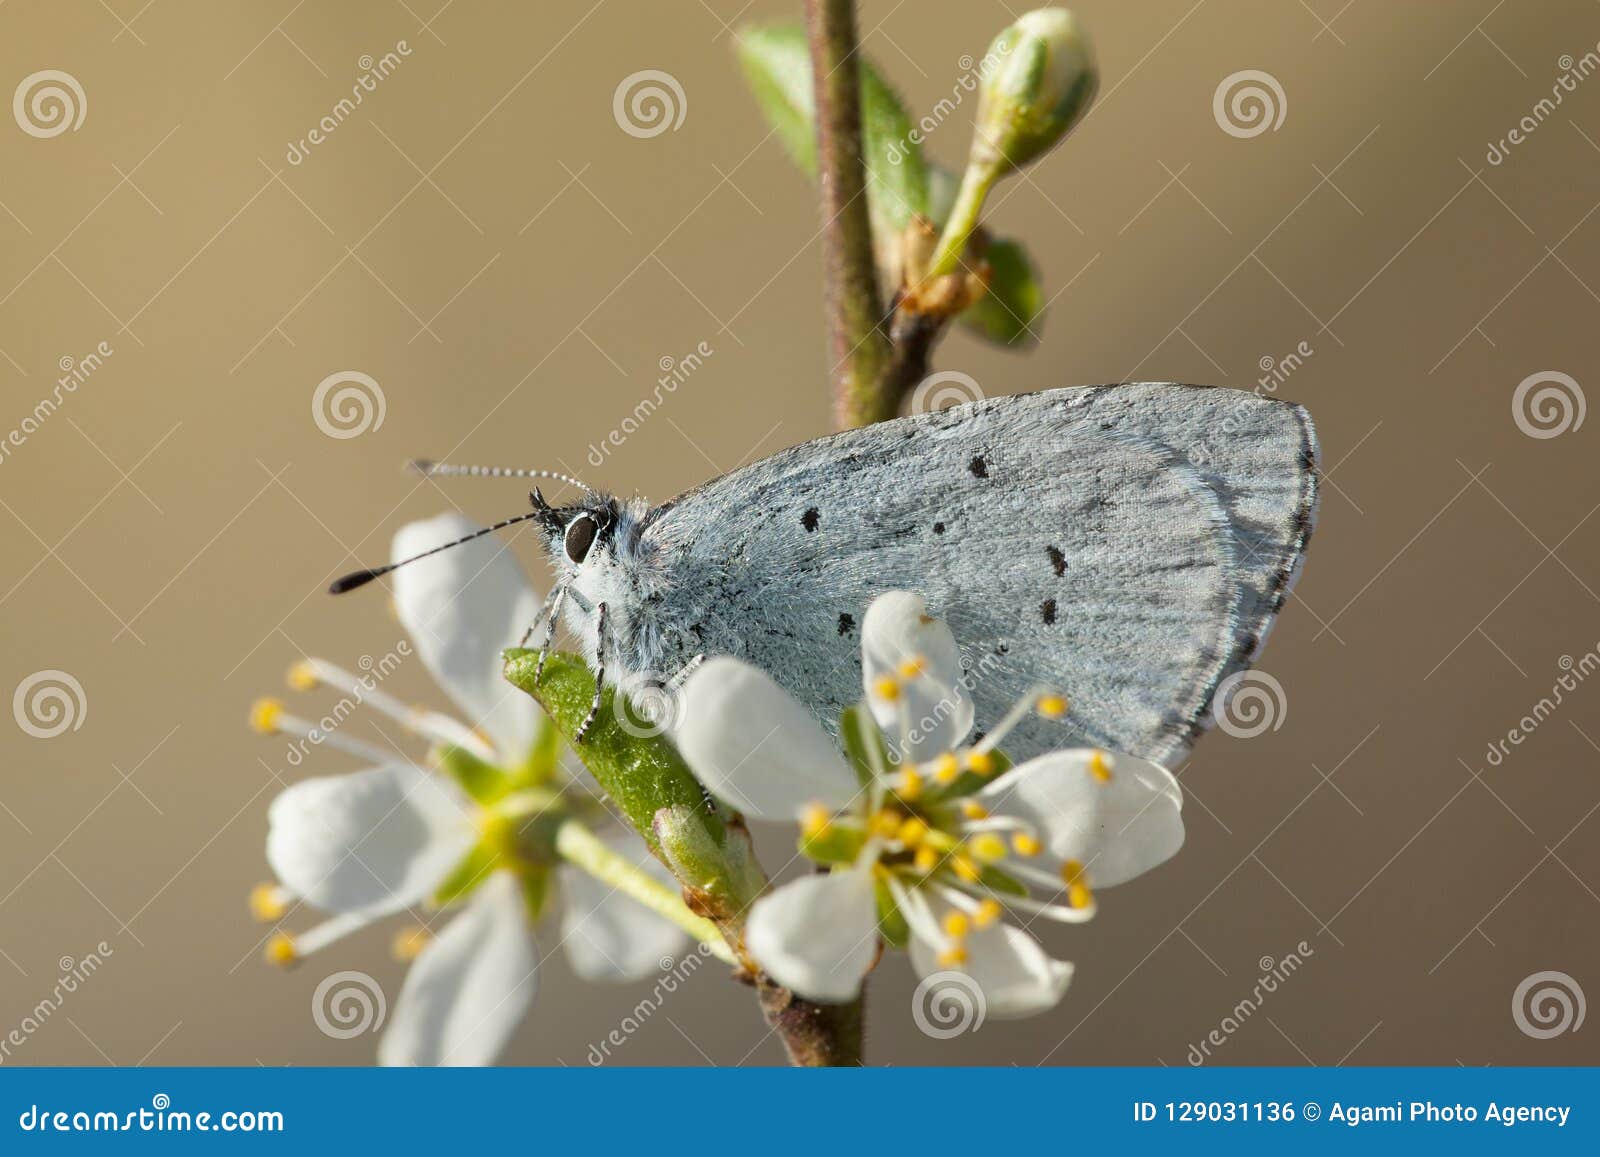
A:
[483,240]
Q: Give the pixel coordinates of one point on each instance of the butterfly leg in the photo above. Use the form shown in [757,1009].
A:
[544,609]
[683,674]
[599,671]
[557,597]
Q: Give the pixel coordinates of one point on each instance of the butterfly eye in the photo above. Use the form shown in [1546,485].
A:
[580,536]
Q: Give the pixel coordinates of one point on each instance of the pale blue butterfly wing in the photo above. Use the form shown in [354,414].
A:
[1128,545]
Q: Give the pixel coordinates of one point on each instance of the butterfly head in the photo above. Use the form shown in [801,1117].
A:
[576,534]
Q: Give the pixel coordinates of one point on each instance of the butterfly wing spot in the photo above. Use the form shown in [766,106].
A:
[1047,611]
[810,519]
[979,468]
[938,528]
[1058,561]
[847,623]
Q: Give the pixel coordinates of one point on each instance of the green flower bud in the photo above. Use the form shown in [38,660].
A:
[1040,86]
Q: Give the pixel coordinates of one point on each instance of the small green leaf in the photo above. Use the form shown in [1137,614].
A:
[1010,312]
[643,773]
[777,65]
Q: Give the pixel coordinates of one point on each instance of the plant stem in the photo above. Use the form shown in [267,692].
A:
[580,847]
[976,182]
[860,349]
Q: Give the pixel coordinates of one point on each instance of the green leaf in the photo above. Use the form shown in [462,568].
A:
[777,65]
[1010,312]
[643,773]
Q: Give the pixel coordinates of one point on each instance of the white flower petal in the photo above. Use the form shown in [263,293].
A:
[753,745]
[1013,974]
[462,607]
[371,841]
[897,628]
[817,935]
[1116,829]
[471,987]
[608,935]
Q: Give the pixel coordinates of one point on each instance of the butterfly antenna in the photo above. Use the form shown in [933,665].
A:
[361,578]
[430,469]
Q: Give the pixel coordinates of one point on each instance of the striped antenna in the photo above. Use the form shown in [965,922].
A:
[450,470]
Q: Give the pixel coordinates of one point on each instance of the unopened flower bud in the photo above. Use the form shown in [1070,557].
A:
[1043,85]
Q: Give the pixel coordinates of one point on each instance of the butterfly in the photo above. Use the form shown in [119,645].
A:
[1128,545]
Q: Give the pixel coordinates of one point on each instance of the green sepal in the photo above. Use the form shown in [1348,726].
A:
[642,773]
[1008,313]
[969,782]
[892,925]
[484,782]
[858,730]
[995,880]
[835,844]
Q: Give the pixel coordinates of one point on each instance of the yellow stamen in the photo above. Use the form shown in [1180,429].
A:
[303,676]
[408,943]
[973,810]
[887,689]
[1025,844]
[886,824]
[913,667]
[281,950]
[946,767]
[957,925]
[988,847]
[988,912]
[910,784]
[1071,872]
[815,820]
[912,831]
[1052,706]
[1079,896]
[266,903]
[927,858]
[264,716]
[952,956]
[982,762]
[1100,767]
[963,867]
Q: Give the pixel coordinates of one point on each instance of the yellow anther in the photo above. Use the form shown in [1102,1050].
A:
[963,867]
[1025,844]
[912,831]
[909,784]
[887,689]
[927,858]
[973,810]
[952,956]
[814,821]
[408,943]
[1079,896]
[281,950]
[264,716]
[1052,706]
[1100,766]
[946,767]
[988,912]
[913,667]
[1071,872]
[266,903]
[886,824]
[982,762]
[303,676]
[957,925]
[988,847]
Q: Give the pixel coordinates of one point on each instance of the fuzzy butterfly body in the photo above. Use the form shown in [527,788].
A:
[1129,545]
